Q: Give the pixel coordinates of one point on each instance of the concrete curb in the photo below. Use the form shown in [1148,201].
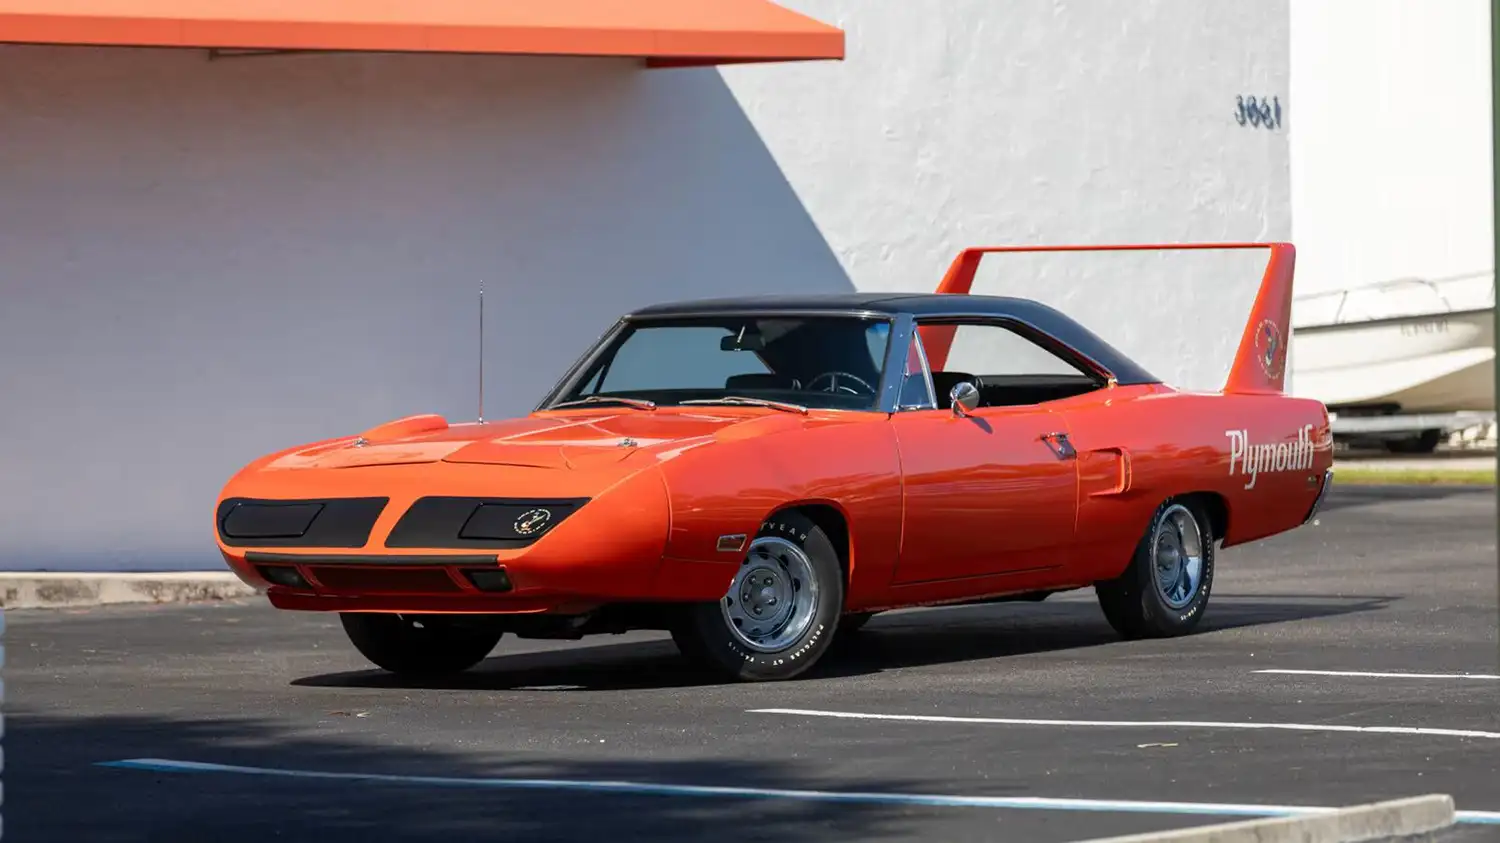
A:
[1394,820]
[47,590]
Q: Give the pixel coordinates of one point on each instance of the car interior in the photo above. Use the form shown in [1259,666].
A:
[830,358]
[1012,390]
[761,380]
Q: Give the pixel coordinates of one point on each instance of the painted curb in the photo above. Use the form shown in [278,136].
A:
[1392,820]
[48,590]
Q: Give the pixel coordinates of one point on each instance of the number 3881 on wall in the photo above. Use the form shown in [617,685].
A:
[1258,113]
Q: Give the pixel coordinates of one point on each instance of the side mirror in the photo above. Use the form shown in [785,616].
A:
[965,397]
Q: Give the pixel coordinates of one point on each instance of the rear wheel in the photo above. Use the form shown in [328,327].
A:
[417,645]
[1165,590]
[780,612]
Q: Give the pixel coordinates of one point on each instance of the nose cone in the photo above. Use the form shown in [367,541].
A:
[613,544]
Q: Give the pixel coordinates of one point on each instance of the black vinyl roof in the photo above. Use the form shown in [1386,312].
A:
[1040,317]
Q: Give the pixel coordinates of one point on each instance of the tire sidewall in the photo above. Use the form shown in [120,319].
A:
[1154,608]
[726,649]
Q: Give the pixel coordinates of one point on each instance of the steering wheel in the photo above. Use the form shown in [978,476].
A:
[833,383]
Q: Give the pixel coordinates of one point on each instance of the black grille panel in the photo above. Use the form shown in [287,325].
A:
[450,522]
[358,579]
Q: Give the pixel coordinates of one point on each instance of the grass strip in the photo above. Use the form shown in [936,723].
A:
[1382,476]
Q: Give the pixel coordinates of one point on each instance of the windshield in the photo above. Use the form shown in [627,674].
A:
[828,362]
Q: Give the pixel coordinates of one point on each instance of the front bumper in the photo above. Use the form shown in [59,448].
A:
[471,583]
[429,582]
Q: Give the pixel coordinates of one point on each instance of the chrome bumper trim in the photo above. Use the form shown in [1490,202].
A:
[1322,494]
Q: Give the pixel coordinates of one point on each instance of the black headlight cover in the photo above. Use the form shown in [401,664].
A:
[314,522]
[454,522]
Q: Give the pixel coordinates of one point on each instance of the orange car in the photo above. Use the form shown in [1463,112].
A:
[758,476]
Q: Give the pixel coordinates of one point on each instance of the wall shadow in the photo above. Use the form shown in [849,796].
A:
[55,791]
[888,642]
[288,248]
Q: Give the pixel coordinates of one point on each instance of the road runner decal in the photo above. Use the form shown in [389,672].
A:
[1250,460]
[1268,348]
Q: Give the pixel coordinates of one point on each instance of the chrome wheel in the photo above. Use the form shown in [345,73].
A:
[1177,556]
[774,596]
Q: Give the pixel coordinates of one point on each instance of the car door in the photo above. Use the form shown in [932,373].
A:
[984,494]
[991,491]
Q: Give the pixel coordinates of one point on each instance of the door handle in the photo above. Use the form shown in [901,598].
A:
[1060,445]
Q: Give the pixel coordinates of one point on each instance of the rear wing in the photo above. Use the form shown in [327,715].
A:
[1260,361]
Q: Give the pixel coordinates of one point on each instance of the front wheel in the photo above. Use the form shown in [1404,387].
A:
[417,645]
[780,612]
[1165,590]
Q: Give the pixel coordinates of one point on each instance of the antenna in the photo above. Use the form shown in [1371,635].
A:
[481,351]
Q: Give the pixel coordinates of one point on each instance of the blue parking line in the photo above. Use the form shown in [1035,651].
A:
[162,765]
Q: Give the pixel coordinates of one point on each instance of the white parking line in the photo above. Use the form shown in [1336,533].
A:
[1371,675]
[1035,803]
[1136,724]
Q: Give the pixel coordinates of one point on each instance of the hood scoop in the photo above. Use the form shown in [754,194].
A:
[396,453]
[550,454]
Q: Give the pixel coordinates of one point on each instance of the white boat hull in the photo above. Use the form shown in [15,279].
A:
[1427,363]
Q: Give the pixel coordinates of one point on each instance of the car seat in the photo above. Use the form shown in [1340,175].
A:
[761,380]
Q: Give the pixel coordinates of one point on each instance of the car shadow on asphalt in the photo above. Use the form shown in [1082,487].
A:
[888,642]
[56,790]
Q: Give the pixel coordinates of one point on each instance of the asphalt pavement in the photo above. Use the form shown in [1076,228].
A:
[1003,703]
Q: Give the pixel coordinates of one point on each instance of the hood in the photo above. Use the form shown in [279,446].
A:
[554,442]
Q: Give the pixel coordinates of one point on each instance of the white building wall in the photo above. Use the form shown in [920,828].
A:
[201,261]
[1390,158]
[968,122]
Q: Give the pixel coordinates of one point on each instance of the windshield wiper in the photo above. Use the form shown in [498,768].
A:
[607,399]
[756,402]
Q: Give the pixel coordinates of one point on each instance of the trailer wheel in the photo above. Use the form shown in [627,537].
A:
[1423,443]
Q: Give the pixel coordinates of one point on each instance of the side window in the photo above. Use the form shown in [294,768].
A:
[1008,368]
[998,350]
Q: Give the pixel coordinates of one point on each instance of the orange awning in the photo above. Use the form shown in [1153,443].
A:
[663,32]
